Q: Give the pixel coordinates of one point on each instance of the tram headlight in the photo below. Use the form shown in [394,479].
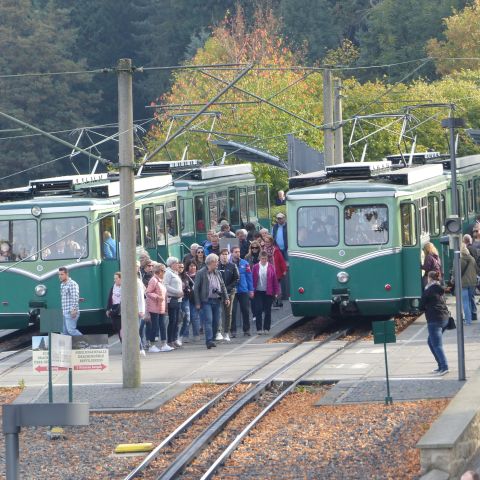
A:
[40,290]
[343,277]
[36,211]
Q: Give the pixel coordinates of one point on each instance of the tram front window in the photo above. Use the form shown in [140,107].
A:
[317,226]
[18,240]
[64,238]
[366,224]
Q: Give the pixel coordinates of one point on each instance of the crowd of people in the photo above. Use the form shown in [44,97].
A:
[230,276]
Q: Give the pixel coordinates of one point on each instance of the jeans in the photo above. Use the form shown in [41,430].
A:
[241,299]
[473,305]
[467,310]
[156,323]
[185,309]
[172,329]
[436,344]
[194,319]
[263,304]
[141,331]
[227,314]
[70,325]
[211,316]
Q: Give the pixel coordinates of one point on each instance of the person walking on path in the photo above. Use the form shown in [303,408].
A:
[431,262]
[114,304]
[174,287]
[244,292]
[187,285]
[469,283]
[266,287]
[275,257]
[141,308]
[279,233]
[156,301]
[194,313]
[437,314]
[230,276]
[70,296]
[209,290]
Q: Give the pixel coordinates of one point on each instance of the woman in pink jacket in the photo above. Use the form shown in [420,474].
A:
[265,284]
[156,300]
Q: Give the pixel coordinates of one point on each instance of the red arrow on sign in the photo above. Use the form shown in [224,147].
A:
[100,366]
[44,368]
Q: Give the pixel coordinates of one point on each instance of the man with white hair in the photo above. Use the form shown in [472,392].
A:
[243,243]
[209,291]
[189,257]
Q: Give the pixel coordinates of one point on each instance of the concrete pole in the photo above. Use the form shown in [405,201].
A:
[337,119]
[131,340]
[328,117]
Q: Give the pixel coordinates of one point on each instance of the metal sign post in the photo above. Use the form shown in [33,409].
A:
[384,332]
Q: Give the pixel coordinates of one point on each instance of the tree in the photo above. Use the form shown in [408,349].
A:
[462,40]
[34,40]
[397,32]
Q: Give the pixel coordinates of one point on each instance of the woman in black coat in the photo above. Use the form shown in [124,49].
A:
[437,313]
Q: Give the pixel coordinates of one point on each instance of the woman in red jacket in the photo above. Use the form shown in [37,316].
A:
[265,285]
[275,257]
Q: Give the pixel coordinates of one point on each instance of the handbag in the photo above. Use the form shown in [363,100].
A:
[451,324]
[116,310]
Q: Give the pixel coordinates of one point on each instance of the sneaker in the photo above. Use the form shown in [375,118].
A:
[177,343]
[259,332]
[233,334]
[246,334]
[210,345]
[142,353]
[219,337]
[226,338]
[166,348]
[266,332]
[436,370]
[442,372]
[154,349]
[185,340]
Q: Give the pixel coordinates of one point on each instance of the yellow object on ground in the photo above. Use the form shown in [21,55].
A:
[133,447]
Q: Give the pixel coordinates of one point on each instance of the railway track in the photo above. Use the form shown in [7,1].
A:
[184,454]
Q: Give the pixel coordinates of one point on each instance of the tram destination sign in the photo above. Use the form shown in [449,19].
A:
[81,353]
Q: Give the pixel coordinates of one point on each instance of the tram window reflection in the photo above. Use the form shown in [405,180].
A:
[64,238]
[200,225]
[160,224]
[107,232]
[18,240]
[317,226]
[366,224]
[172,223]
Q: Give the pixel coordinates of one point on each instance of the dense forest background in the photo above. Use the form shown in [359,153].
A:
[57,36]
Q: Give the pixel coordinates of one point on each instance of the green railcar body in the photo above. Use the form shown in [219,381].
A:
[339,275]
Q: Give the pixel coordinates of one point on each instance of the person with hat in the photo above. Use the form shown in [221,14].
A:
[279,233]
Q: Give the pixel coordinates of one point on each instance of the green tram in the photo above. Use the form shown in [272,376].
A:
[356,233]
[73,221]
[208,195]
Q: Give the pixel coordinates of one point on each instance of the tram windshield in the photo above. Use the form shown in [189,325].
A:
[64,238]
[18,240]
[366,224]
[317,226]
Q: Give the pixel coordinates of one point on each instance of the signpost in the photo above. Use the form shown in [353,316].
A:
[384,332]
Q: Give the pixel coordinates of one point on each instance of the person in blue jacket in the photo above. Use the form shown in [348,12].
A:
[109,245]
[244,293]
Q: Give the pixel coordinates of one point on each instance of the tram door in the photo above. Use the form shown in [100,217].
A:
[148,225]
[109,251]
[411,251]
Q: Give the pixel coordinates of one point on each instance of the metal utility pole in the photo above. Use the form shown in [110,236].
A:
[338,119]
[452,123]
[328,117]
[129,307]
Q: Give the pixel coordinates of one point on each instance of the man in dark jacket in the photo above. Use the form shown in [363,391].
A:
[279,233]
[230,275]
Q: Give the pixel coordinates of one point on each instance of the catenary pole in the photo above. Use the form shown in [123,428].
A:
[328,116]
[129,306]
[338,119]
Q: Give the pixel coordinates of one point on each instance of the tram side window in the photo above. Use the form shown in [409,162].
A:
[64,238]
[107,233]
[477,194]
[172,221]
[186,212]
[148,227]
[366,224]
[243,205]
[408,225]
[252,207]
[18,240]
[233,206]
[262,200]
[160,224]
[434,216]
[138,228]
[423,216]
[222,206]
[470,197]
[200,225]
[212,210]
[443,208]
[317,226]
